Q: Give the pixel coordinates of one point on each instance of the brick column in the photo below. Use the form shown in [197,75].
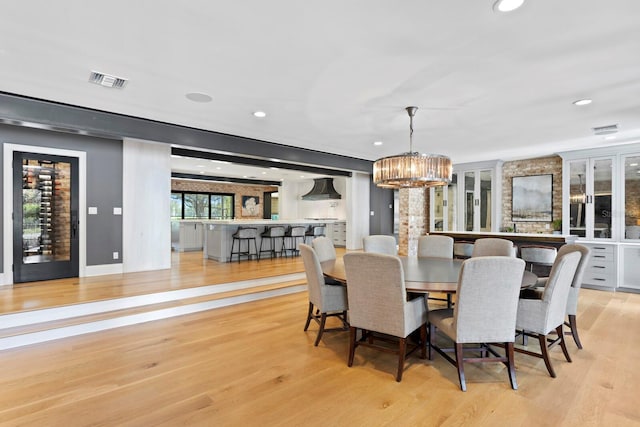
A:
[413,220]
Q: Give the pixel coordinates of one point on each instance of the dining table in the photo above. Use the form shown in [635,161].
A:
[421,274]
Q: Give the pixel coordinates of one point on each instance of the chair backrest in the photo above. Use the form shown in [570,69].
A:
[380,244]
[544,255]
[274,231]
[315,279]
[572,299]
[246,233]
[435,246]
[319,230]
[376,292]
[296,231]
[462,249]
[487,299]
[492,246]
[323,246]
[556,291]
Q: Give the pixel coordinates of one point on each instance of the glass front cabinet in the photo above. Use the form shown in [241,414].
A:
[469,202]
[601,207]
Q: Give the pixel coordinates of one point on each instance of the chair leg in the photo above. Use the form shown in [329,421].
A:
[323,319]
[563,344]
[432,333]
[402,350]
[309,315]
[511,367]
[423,341]
[352,345]
[460,366]
[545,354]
[574,330]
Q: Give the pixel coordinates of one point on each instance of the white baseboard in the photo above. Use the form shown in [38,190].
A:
[99,270]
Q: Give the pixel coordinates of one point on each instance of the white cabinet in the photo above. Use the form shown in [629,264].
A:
[470,202]
[630,267]
[187,236]
[338,233]
[590,184]
[602,267]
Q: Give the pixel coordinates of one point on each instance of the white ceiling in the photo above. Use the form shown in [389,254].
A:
[336,75]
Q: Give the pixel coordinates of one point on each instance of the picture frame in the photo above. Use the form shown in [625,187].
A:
[251,206]
[532,198]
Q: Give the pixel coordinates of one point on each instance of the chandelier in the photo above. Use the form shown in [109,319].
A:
[412,169]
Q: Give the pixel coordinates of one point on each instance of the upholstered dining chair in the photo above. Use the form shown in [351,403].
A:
[435,246]
[380,244]
[538,317]
[327,300]
[378,305]
[324,248]
[574,291]
[462,250]
[485,312]
[492,246]
[539,257]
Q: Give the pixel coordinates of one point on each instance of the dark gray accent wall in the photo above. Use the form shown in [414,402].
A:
[379,200]
[104,185]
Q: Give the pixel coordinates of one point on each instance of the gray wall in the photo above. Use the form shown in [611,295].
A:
[104,185]
[379,201]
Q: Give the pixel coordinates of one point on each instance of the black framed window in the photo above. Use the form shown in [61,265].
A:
[198,205]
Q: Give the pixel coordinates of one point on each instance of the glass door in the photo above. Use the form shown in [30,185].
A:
[632,198]
[443,206]
[45,227]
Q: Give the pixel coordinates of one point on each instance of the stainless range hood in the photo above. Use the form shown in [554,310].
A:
[322,190]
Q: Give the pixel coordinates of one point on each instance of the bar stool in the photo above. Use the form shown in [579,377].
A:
[294,235]
[315,230]
[271,234]
[244,234]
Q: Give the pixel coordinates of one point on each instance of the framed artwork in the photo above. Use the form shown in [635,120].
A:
[532,198]
[251,206]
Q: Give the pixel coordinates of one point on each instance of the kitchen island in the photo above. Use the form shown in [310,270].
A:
[218,233]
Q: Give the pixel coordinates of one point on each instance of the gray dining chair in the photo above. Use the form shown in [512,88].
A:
[378,305]
[485,312]
[574,291]
[540,258]
[327,300]
[380,244]
[324,248]
[435,246]
[492,246]
[462,250]
[540,316]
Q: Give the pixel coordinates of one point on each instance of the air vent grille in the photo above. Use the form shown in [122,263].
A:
[605,130]
[107,80]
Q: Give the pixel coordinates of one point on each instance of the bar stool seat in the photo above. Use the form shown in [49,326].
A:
[292,237]
[315,230]
[271,234]
[244,234]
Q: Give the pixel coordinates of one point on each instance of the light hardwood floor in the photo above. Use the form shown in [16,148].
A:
[253,365]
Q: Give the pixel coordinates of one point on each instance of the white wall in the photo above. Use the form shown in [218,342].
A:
[145,207]
[357,192]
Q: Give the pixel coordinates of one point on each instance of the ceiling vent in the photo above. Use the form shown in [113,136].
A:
[107,80]
[605,130]
[322,190]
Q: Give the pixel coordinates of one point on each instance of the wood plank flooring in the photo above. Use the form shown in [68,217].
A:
[252,364]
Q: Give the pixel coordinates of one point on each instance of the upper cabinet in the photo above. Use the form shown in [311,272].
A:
[591,198]
[471,202]
[631,196]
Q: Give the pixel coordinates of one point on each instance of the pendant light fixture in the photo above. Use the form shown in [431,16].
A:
[412,169]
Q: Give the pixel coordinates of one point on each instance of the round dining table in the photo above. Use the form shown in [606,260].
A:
[421,274]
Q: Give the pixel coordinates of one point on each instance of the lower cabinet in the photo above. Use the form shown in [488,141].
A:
[630,277]
[601,271]
[339,233]
[187,236]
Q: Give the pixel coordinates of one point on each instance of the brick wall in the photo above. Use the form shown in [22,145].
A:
[413,218]
[238,190]
[541,166]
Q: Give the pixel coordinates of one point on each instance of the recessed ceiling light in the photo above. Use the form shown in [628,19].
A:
[378,143]
[610,137]
[199,166]
[272,168]
[264,173]
[259,114]
[633,164]
[507,5]
[275,160]
[585,101]
[245,176]
[218,168]
[301,176]
[198,97]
